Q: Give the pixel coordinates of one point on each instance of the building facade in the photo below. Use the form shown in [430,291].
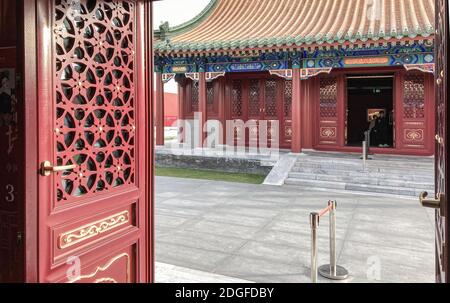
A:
[323,69]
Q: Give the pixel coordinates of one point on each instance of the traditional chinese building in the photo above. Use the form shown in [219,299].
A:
[321,68]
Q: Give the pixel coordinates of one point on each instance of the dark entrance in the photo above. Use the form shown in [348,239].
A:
[370,106]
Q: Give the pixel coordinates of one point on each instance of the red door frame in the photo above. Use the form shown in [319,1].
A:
[37,262]
[398,72]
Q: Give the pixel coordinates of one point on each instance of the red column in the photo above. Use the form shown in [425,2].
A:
[222,117]
[307,115]
[202,105]
[296,112]
[159,118]
[181,101]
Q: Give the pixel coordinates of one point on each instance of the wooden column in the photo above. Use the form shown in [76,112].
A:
[296,111]
[159,118]
[202,107]
[307,116]
[181,100]
[221,101]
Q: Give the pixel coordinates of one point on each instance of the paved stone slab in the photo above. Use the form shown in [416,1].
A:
[204,241]
[261,233]
[167,273]
[195,258]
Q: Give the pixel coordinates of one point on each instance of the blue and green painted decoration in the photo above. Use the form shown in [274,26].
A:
[389,55]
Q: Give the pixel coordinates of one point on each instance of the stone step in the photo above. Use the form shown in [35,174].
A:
[353,187]
[355,157]
[364,180]
[375,162]
[359,166]
[415,174]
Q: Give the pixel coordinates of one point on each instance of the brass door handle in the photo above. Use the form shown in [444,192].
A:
[47,168]
[431,203]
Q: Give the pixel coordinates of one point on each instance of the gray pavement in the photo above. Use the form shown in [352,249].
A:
[261,233]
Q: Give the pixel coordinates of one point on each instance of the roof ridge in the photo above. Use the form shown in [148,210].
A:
[186,26]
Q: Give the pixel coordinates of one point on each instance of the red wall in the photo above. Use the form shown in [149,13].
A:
[170,108]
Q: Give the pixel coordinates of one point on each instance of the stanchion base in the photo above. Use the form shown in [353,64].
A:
[341,272]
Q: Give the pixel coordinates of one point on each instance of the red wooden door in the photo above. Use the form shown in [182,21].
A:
[254,110]
[94,209]
[286,120]
[272,110]
[327,111]
[237,110]
[442,213]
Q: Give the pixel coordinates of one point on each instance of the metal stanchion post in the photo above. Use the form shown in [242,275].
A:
[364,156]
[332,270]
[314,221]
[366,146]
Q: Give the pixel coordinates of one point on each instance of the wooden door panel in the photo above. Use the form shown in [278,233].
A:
[237,110]
[254,112]
[286,121]
[442,214]
[328,111]
[413,119]
[271,110]
[93,215]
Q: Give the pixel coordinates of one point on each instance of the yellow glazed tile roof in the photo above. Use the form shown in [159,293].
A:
[244,24]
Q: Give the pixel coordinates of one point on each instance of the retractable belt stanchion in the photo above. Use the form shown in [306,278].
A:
[314,221]
[332,270]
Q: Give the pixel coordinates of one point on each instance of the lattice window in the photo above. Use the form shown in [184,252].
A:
[236,98]
[210,93]
[195,97]
[414,96]
[253,106]
[328,97]
[288,98]
[271,98]
[95,95]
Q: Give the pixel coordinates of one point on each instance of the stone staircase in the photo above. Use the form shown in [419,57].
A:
[398,175]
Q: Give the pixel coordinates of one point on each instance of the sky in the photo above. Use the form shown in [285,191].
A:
[176,12]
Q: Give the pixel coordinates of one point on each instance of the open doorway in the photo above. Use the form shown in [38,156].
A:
[370,107]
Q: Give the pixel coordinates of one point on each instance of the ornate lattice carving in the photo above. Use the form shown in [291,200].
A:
[95,97]
[209,93]
[283,73]
[195,97]
[306,73]
[254,106]
[328,97]
[441,42]
[167,77]
[426,68]
[287,99]
[328,132]
[236,98]
[271,98]
[210,102]
[414,96]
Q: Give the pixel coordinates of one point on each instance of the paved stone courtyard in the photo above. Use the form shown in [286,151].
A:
[213,231]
